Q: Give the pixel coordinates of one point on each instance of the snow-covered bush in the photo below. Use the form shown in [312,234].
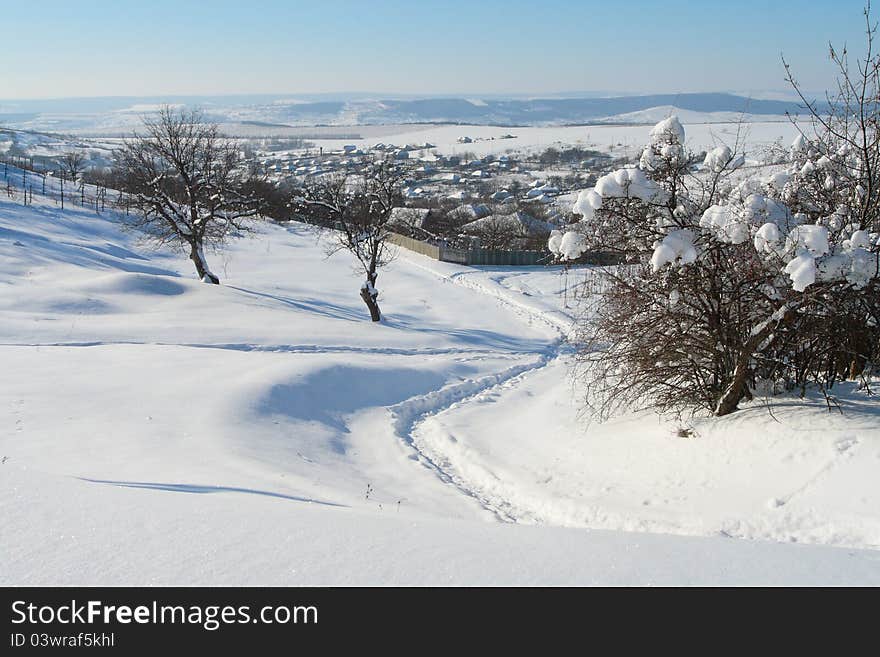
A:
[733,279]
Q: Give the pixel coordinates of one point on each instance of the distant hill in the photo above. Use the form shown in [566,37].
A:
[95,114]
[565,110]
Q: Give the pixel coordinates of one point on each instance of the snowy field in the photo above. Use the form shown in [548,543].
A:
[616,139]
[156,430]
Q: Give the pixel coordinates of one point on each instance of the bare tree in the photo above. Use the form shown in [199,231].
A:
[73,164]
[183,178]
[358,211]
[848,125]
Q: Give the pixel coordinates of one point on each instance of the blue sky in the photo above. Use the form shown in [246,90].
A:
[98,48]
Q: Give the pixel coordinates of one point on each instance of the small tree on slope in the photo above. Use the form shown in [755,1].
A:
[184,181]
[357,210]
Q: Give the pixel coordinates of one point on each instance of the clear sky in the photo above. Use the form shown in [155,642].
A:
[60,48]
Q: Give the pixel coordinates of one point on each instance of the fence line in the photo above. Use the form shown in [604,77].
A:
[20,182]
[471,256]
[415,245]
[494,257]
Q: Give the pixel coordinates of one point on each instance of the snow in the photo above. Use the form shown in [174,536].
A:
[635,473]
[572,245]
[182,539]
[809,238]
[861,239]
[629,182]
[718,158]
[555,241]
[161,431]
[767,238]
[675,248]
[726,224]
[588,201]
[862,267]
[802,271]
[800,144]
[668,130]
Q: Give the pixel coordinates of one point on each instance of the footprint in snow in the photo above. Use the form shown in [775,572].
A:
[845,444]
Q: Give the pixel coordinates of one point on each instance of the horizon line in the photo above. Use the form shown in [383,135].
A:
[379,95]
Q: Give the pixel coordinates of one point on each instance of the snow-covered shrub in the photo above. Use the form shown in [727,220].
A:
[731,279]
[721,158]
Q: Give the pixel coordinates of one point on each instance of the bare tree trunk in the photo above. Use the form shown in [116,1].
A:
[370,295]
[862,346]
[738,390]
[198,258]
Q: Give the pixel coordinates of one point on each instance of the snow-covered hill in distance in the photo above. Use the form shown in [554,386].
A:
[110,115]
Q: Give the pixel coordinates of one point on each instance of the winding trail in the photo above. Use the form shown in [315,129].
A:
[410,415]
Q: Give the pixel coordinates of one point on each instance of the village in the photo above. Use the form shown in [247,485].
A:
[507,202]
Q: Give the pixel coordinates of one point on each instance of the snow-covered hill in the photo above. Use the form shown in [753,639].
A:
[158,430]
[120,115]
[653,115]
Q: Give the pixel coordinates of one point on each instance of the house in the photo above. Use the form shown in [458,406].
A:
[475,211]
[459,196]
[542,190]
[555,217]
[415,192]
[519,224]
[407,219]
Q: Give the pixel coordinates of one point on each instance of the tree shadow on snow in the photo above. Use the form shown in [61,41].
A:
[483,338]
[315,306]
[42,250]
[201,490]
